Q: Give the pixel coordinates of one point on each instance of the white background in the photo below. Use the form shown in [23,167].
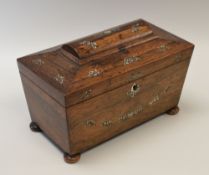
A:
[176,145]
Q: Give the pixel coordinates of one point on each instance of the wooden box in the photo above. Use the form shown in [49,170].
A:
[85,92]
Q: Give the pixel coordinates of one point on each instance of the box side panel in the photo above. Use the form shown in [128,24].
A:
[35,71]
[47,113]
[105,116]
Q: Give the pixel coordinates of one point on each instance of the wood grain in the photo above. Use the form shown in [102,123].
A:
[90,90]
[47,114]
[165,85]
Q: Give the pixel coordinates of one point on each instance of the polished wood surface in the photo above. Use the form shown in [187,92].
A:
[90,90]
[66,80]
[46,114]
[158,93]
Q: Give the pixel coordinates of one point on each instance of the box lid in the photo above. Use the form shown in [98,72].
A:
[84,68]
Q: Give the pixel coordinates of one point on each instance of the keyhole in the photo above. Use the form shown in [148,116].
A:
[135,87]
[134,90]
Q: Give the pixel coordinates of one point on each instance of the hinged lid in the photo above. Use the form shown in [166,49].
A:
[87,67]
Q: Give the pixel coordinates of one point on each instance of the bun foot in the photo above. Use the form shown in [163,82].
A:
[173,111]
[71,159]
[34,127]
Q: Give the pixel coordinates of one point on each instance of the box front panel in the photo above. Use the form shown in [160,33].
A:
[98,119]
[122,67]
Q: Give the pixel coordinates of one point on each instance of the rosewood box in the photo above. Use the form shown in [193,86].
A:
[87,91]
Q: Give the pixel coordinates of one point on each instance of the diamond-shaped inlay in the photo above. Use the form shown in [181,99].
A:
[163,47]
[94,73]
[86,94]
[59,78]
[135,27]
[131,59]
[38,61]
[91,44]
